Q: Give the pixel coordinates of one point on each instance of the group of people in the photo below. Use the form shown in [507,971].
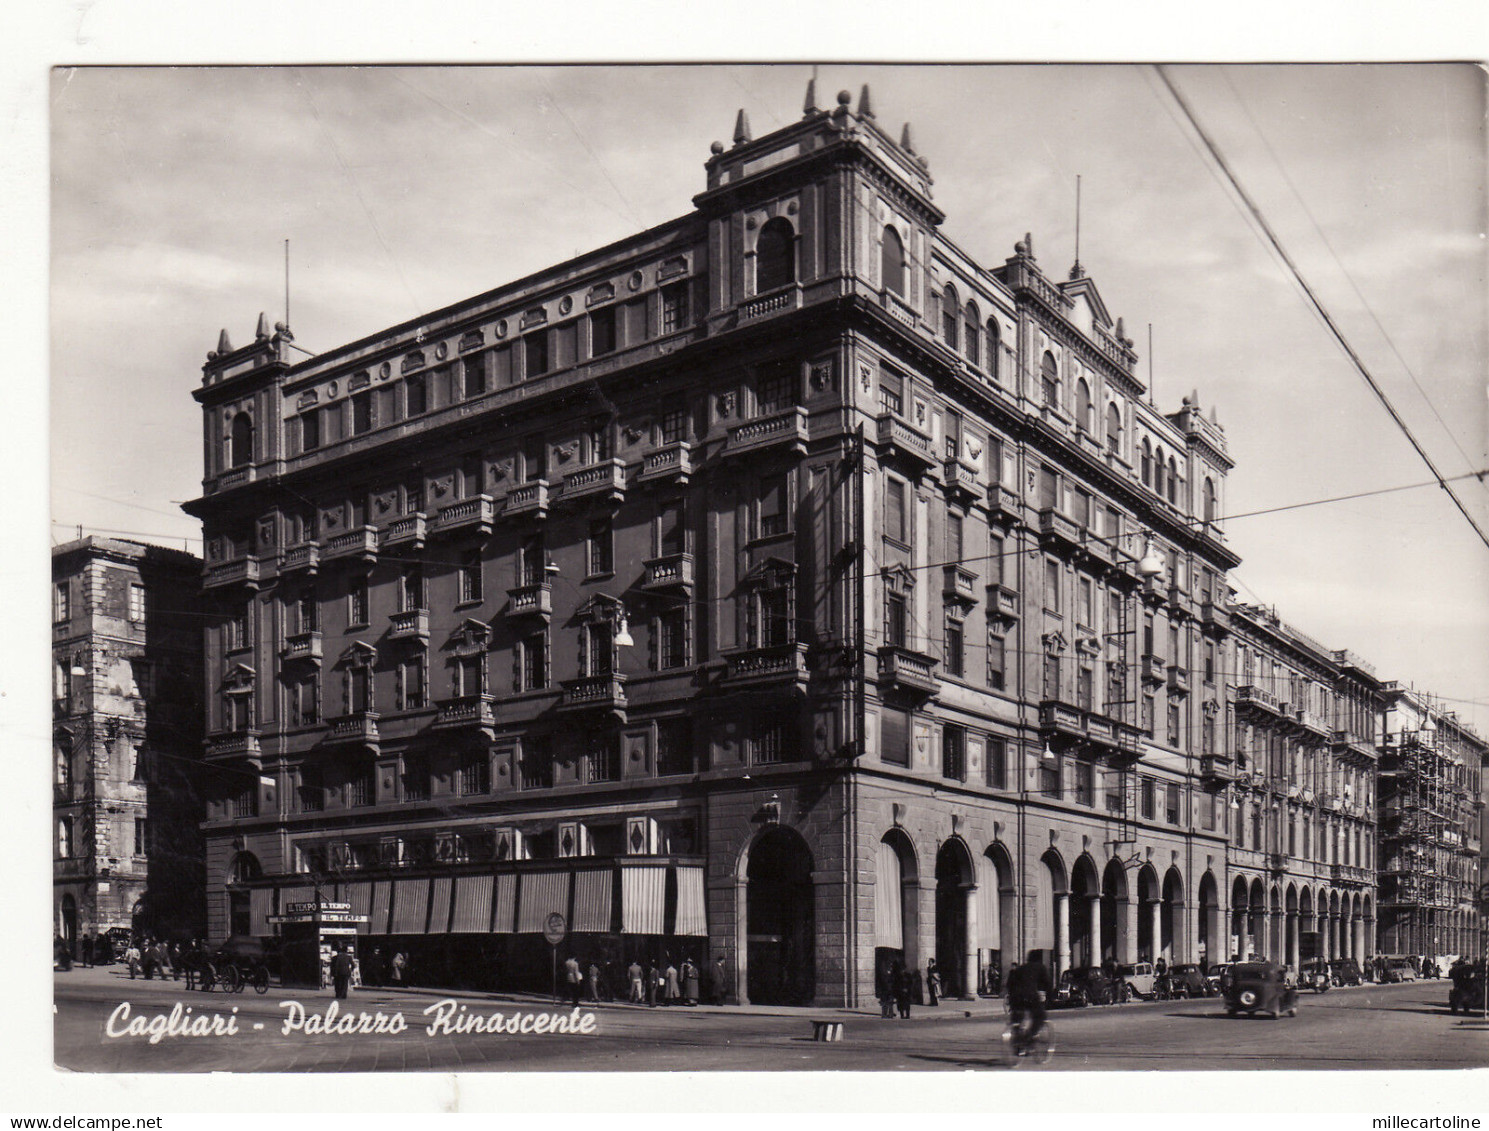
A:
[656,983]
[898,988]
[89,951]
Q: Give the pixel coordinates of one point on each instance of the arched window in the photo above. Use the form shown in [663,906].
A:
[64,837]
[1147,463]
[1173,480]
[1158,472]
[64,766]
[1049,378]
[892,262]
[1209,499]
[775,256]
[1113,429]
[951,314]
[994,347]
[969,331]
[240,448]
[1083,406]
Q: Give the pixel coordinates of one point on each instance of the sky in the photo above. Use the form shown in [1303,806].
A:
[403,189]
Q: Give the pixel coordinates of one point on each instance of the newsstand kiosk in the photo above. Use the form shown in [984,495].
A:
[308,935]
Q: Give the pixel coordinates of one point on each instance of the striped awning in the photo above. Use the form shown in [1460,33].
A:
[692,914]
[305,894]
[472,906]
[543,893]
[260,907]
[1042,932]
[359,894]
[505,921]
[439,905]
[889,899]
[410,904]
[989,933]
[592,900]
[643,899]
[382,903]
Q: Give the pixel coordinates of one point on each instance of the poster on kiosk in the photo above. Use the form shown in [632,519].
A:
[309,934]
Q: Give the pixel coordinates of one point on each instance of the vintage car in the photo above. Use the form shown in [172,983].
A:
[1138,977]
[1467,994]
[1346,972]
[1315,975]
[1400,970]
[1215,977]
[1259,987]
[1087,985]
[1188,980]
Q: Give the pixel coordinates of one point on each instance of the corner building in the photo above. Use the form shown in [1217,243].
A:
[776,584]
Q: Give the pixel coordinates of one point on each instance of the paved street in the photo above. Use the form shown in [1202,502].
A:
[1371,1027]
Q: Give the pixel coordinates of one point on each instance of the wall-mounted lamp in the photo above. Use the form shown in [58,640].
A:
[1048,755]
[1151,563]
[551,569]
[623,629]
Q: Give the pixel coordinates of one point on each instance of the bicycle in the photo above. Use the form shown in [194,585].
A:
[1017,1047]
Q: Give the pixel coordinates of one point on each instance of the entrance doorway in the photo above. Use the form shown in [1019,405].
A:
[780,920]
[953,881]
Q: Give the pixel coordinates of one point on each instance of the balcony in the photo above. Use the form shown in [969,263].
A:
[528,500]
[359,544]
[960,481]
[1003,601]
[907,671]
[238,571]
[411,624]
[534,600]
[357,729]
[897,438]
[472,515]
[1216,768]
[898,307]
[605,480]
[1214,618]
[774,302]
[1348,742]
[477,711]
[1312,726]
[410,529]
[781,665]
[784,430]
[1349,875]
[1003,506]
[237,477]
[1097,550]
[596,693]
[671,463]
[1058,532]
[1152,670]
[305,558]
[1178,680]
[1277,861]
[1257,701]
[959,586]
[302,646]
[230,746]
[1061,719]
[673,571]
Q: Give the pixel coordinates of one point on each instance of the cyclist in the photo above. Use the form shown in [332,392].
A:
[1028,987]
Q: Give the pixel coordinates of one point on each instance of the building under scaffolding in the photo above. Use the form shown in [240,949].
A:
[1431,802]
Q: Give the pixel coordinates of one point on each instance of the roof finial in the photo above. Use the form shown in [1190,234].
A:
[223,345]
[907,143]
[1076,271]
[742,129]
[261,332]
[865,107]
[809,107]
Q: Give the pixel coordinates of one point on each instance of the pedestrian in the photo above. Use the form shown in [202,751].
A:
[720,981]
[148,958]
[689,982]
[191,959]
[1160,967]
[932,983]
[61,956]
[400,963]
[673,990]
[594,981]
[653,983]
[175,957]
[574,977]
[103,950]
[904,983]
[341,971]
[634,974]
[87,950]
[884,989]
[132,958]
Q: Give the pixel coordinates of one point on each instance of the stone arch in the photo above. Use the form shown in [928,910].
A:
[997,916]
[892,261]
[896,903]
[1240,909]
[956,916]
[1051,893]
[775,255]
[1114,428]
[1150,902]
[1171,943]
[1118,941]
[1258,919]
[1085,912]
[971,320]
[240,441]
[951,317]
[776,933]
[994,347]
[1209,945]
[1083,407]
[1049,380]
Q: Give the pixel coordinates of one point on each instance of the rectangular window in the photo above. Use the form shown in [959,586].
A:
[358,690]
[1115,801]
[892,393]
[955,547]
[235,630]
[245,803]
[415,779]
[534,671]
[997,763]
[953,436]
[470,576]
[601,547]
[1084,680]
[361,412]
[137,604]
[1148,712]
[536,348]
[776,389]
[603,757]
[896,523]
[304,701]
[411,588]
[534,459]
[61,603]
[1085,613]
[413,497]
[1051,585]
[1209,661]
[311,792]
[671,530]
[602,331]
[1149,799]
[995,560]
[1049,489]
[1207,806]
[310,430]
[770,742]
[599,649]
[672,639]
[1171,808]
[1085,781]
[997,661]
[895,619]
[304,619]
[994,460]
[674,307]
[468,676]
[674,747]
[475,372]
[141,836]
[953,752]
[475,773]
[774,514]
[530,560]
[1173,724]
[411,681]
[356,602]
[361,787]
[674,426]
[1049,773]
[537,763]
[416,395]
[894,736]
[955,659]
[597,444]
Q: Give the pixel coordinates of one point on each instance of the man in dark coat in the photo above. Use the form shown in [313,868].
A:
[904,988]
[720,981]
[341,971]
[1028,987]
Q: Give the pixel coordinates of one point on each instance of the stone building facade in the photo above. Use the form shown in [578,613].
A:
[127,678]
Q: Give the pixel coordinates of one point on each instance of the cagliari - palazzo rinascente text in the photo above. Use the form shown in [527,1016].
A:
[781,585]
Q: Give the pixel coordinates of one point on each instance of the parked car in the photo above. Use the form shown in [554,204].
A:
[1188,980]
[1400,970]
[1467,994]
[1215,977]
[1086,985]
[1138,977]
[1259,987]
[1315,975]
[1346,972]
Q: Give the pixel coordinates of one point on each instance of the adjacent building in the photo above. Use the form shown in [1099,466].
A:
[126,710]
